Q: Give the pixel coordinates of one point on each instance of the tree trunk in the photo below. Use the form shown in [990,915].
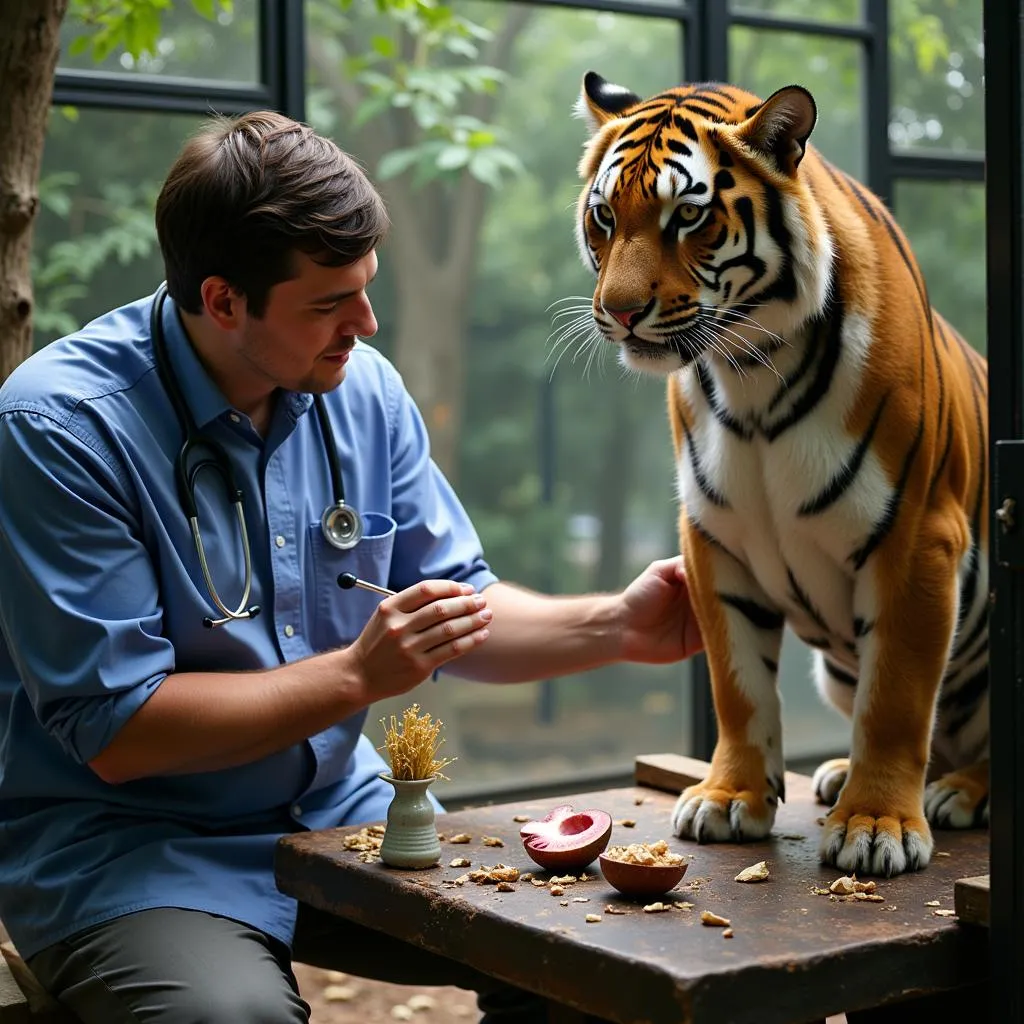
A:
[29,33]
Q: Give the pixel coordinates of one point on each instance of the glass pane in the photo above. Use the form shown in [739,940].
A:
[469,278]
[937,61]
[190,46]
[95,241]
[810,10]
[945,222]
[763,61]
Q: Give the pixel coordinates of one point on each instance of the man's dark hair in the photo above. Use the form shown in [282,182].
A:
[246,193]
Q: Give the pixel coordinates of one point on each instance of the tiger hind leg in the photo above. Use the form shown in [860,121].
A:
[959,799]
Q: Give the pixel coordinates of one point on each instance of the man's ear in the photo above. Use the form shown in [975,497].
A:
[221,303]
[600,101]
[780,127]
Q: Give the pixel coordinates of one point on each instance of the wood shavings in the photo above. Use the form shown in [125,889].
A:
[460,862]
[366,843]
[944,913]
[562,879]
[611,909]
[714,920]
[527,876]
[499,873]
[521,817]
[656,908]
[581,899]
[539,882]
[727,934]
[755,873]
[557,890]
[943,853]
[682,905]
[593,919]
[492,841]
[933,903]
[506,887]
[627,823]
[461,837]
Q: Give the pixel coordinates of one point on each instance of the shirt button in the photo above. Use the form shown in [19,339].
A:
[297,810]
[289,631]
[234,417]
[279,541]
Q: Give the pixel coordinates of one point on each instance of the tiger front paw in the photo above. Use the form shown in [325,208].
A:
[715,811]
[959,799]
[875,844]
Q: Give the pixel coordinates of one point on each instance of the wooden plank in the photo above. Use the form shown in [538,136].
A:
[791,958]
[971,899]
[14,1007]
[674,772]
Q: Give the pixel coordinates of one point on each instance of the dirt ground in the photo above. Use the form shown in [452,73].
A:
[341,999]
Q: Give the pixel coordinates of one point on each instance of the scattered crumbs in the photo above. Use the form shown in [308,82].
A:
[656,908]
[593,918]
[803,910]
[492,841]
[539,882]
[584,877]
[793,837]
[581,899]
[638,800]
[682,905]
[521,817]
[727,934]
[933,903]
[611,909]
[755,873]
[627,823]
[506,887]
[462,880]
[563,903]
[942,853]
[527,876]
[557,890]
[708,918]
[460,862]
[816,890]
[562,879]
[944,913]
[461,837]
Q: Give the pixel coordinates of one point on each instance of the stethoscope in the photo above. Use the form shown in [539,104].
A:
[342,525]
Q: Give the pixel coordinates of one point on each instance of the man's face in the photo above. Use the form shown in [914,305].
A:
[309,325]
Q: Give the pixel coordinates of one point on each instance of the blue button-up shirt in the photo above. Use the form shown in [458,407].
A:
[102,595]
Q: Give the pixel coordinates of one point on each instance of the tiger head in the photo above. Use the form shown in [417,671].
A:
[698,221]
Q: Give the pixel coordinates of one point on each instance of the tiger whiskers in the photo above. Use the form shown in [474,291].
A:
[579,330]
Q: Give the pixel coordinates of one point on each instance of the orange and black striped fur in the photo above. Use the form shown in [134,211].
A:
[831,442]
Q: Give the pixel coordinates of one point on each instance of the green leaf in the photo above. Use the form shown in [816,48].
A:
[452,157]
[385,46]
[79,45]
[396,162]
[206,8]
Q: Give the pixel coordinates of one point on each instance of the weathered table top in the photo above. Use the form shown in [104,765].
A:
[794,955]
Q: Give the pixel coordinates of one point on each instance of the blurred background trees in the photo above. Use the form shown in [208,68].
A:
[462,113]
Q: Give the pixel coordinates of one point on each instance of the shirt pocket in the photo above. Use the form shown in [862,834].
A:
[340,615]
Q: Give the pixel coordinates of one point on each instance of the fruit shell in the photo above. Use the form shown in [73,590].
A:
[641,879]
[564,857]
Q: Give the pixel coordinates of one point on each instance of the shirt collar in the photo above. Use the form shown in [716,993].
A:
[205,400]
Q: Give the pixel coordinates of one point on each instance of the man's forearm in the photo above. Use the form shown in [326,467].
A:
[207,721]
[535,637]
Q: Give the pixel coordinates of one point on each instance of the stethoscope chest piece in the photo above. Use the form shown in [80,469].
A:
[342,526]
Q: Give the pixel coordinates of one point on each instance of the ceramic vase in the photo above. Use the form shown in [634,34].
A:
[410,834]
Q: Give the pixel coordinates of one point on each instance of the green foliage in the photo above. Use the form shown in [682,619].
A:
[422,61]
[129,25]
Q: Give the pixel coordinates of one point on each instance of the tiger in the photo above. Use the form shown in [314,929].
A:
[830,438]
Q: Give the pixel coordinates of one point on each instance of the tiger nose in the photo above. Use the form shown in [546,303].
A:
[627,317]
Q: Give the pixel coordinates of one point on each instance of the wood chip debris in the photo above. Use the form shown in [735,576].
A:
[492,841]
[461,837]
[933,903]
[562,880]
[460,862]
[499,873]
[638,800]
[339,993]
[506,887]
[521,817]
[557,890]
[713,920]
[943,853]
[366,843]
[627,823]
[612,909]
[944,913]
[656,908]
[593,919]
[755,873]
[402,1012]
[581,899]
[727,934]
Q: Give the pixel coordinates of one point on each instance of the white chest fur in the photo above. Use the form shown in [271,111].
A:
[771,498]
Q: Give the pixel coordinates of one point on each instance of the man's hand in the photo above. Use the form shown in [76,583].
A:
[415,632]
[658,621]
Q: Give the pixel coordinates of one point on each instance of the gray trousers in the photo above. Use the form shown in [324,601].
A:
[169,966]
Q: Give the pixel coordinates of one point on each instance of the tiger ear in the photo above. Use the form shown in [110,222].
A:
[780,127]
[600,101]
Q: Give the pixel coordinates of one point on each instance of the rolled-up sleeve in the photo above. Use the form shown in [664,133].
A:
[79,607]
[435,537]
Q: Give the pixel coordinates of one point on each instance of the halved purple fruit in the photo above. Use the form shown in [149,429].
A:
[566,839]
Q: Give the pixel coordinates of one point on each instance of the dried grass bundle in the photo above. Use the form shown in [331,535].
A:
[413,746]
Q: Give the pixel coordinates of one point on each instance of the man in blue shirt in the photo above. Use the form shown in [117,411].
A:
[150,759]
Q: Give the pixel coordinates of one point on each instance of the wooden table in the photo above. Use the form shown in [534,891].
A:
[794,956]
